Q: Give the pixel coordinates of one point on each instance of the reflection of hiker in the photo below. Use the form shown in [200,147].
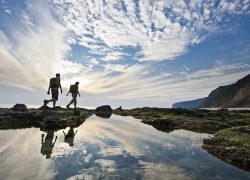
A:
[54,85]
[74,91]
[48,144]
[69,138]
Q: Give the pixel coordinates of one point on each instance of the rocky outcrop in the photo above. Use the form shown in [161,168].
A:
[231,145]
[104,111]
[44,117]
[20,107]
[189,104]
[230,96]
[234,95]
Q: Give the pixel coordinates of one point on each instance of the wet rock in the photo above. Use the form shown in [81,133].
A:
[162,125]
[107,115]
[77,112]
[118,109]
[50,116]
[222,112]
[6,112]
[104,111]
[20,107]
[104,108]
[231,145]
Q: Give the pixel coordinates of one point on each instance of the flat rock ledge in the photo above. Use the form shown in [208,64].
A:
[44,117]
[231,145]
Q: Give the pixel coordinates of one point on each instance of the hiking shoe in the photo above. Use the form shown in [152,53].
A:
[67,106]
[45,102]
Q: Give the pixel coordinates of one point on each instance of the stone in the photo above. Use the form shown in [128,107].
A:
[77,112]
[20,107]
[49,116]
[104,111]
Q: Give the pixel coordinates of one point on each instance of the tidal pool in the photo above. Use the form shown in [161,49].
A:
[114,148]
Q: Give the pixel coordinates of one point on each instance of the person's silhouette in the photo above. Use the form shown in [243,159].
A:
[69,137]
[47,144]
[54,85]
[74,92]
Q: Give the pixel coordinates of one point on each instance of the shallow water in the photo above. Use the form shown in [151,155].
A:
[115,148]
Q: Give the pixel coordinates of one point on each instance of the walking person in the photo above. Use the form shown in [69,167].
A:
[54,85]
[74,91]
[69,137]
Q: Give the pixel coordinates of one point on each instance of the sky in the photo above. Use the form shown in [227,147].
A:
[129,53]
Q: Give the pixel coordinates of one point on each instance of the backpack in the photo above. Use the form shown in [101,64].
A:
[54,83]
[73,89]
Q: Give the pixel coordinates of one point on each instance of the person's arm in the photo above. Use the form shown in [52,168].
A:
[60,88]
[67,94]
[78,93]
[49,90]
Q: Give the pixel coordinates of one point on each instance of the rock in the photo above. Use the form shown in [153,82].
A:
[103,115]
[231,145]
[223,112]
[20,107]
[45,108]
[49,116]
[104,111]
[77,112]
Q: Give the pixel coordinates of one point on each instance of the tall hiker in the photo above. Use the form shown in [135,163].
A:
[74,91]
[54,85]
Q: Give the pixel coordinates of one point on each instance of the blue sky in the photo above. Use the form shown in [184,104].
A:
[129,53]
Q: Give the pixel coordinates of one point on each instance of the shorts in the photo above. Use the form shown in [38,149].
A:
[54,92]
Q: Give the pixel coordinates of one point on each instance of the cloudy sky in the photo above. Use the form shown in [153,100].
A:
[123,52]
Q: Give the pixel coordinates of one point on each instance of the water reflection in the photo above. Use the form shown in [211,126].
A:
[69,137]
[115,148]
[48,144]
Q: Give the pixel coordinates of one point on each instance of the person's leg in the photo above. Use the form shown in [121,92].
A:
[75,101]
[71,102]
[54,93]
[54,103]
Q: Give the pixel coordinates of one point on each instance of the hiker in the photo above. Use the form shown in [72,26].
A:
[48,144]
[69,138]
[74,91]
[54,85]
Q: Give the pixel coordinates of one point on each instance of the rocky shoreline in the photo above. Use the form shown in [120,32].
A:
[44,117]
[231,129]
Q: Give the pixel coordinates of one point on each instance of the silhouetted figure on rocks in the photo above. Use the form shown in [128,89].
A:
[54,85]
[47,144]
[69,138]
[74,91]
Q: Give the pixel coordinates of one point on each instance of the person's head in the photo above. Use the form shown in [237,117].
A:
[77,83]
[57,75]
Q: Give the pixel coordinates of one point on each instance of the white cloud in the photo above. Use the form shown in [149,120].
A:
[8,11]
[159,30]
[114,55]
[31,57]
[133,83]
[162,30]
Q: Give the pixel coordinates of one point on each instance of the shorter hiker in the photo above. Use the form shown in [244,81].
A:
[54,85]
[69,137]
[74,91]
